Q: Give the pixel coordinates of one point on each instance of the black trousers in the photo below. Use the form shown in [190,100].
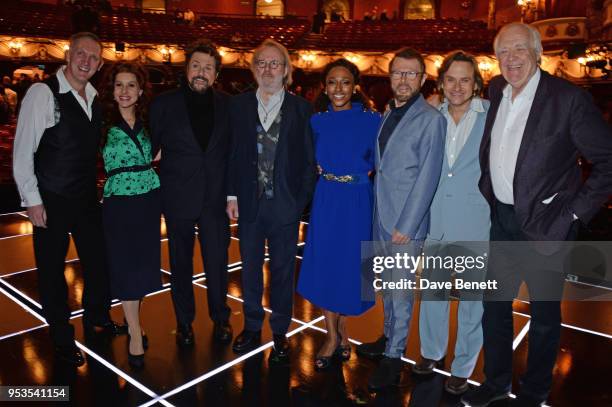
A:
[545,323]
[282,246]
[214,238]
[81,217]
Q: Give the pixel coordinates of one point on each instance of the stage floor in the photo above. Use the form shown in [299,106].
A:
[212,375]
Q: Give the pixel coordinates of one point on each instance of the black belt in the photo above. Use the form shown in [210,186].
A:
[133,168]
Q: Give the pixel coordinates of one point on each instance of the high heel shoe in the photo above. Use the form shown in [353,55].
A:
[343,352]
[135,361]
[323,362]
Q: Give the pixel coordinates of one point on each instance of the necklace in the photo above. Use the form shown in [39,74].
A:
[266,111]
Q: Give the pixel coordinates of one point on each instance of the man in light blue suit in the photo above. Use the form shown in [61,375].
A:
[409,157]
[459,217]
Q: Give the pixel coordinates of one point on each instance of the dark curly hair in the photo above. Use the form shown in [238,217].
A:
[321,103]
[111,111]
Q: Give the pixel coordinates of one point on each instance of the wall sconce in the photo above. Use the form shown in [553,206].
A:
[485,68]
[166,53]
[15,46]
[308,58]
[354,58]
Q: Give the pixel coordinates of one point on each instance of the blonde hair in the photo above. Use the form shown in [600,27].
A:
[287,80]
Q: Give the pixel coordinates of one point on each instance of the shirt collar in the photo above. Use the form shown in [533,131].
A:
[273,99]
[65,87]
[530,89]
[475,105]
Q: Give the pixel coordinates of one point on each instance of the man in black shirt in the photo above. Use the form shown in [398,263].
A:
[190,127]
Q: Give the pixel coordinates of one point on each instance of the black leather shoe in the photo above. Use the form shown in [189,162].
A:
[109,328]
[280,350]
[184,335]
[456,385]
[426,366]
[70,354]
[246,341]
[387,374]
[482,396]
[136,361]
[222,332]
[373,350]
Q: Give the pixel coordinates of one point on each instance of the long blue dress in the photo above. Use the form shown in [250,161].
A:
[341,214]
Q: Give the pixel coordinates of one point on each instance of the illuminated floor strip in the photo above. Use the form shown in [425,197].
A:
[23,331]
[122,374]
[13,236]
[35,268]
[12,287]
[11,213]
[521,335]
[227,365]
[21,304]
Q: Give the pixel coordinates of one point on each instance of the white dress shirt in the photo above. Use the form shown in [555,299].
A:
[458,133]
[37,114]
[507,135]
[268,112]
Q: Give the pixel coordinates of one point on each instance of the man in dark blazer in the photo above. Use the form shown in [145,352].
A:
[272,176]
[190,126]
[536,128]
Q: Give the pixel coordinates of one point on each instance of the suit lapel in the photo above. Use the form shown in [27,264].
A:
[531,127]
[218,123]
[490,121]
[471,140]
[412,111]
[286,119]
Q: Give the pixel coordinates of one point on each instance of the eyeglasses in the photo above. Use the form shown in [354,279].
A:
[274,64]
[408,74]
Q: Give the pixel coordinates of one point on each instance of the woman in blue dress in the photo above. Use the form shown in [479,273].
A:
[344,132]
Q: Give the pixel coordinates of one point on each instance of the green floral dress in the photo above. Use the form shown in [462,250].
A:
[120,153]
[131,212]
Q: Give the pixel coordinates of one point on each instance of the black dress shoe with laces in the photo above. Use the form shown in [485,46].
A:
[246,341]
[386,374]
[184,335]
[373,350]
[222,332]
[426,366]
[482,396]
[280,350]
[70,354]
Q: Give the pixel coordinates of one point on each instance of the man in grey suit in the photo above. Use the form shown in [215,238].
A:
[459,219]
[409,156]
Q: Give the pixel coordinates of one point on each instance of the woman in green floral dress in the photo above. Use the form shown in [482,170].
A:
[132,206]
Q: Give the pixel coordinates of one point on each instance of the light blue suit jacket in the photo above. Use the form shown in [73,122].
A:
[408,173]
[459,212]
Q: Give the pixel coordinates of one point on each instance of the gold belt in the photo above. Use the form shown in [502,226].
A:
[341,178]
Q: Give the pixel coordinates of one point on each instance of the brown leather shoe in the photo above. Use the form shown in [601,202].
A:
[426,366]
[456,385]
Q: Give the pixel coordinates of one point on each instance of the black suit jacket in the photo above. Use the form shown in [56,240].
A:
[190,178]
[563,123]
[294,165]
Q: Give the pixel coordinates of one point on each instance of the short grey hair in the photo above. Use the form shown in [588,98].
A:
[269,42]
[534,34]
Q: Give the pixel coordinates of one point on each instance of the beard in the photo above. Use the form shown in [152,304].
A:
[404,95]
[199,88]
